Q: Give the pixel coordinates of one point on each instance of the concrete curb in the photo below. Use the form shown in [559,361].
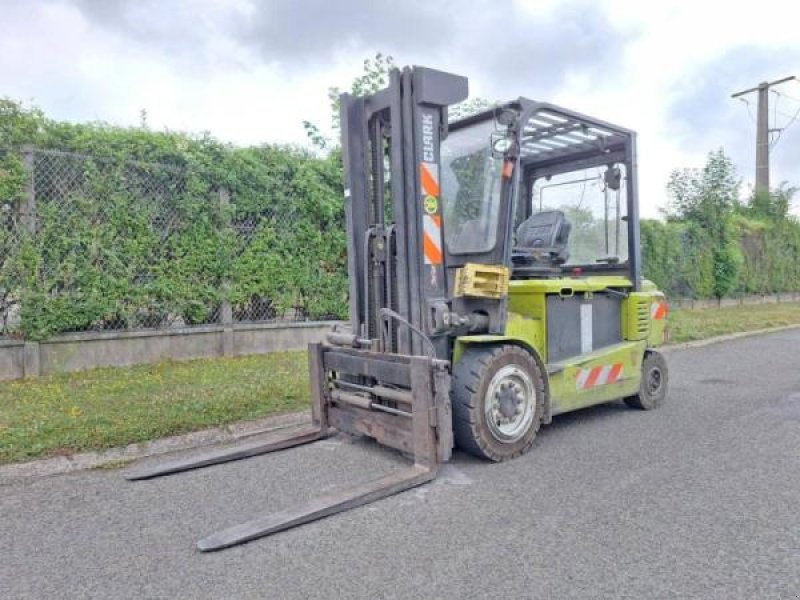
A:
[91,460]
[58,465]
[726,338]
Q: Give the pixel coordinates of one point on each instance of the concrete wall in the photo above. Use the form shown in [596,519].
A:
[11,360]
[263,338]
[74,352]
[692,303]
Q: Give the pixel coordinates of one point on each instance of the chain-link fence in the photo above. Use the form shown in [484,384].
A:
[13,215]
[255,232]
[91,244]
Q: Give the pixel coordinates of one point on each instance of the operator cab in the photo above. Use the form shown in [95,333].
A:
[570,207]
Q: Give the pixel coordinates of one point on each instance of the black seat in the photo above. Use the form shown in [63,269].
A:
[542,238]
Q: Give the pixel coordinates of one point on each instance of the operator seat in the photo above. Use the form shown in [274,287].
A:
[542,238]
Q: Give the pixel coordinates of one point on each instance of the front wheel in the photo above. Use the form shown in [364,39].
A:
[498,401]
[653,388]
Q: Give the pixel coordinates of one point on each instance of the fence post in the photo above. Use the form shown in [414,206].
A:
[31,363]
[28,205]
[225,308]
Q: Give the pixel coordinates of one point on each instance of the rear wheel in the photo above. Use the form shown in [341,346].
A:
[653,388]
[498,401]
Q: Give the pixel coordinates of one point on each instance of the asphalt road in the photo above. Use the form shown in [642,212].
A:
[699,499]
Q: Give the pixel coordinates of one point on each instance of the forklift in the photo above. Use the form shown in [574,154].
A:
[495,282]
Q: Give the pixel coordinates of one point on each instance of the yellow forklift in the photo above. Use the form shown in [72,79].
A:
[495,282]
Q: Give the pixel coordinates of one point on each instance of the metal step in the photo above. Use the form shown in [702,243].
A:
[276,442]
[319,508]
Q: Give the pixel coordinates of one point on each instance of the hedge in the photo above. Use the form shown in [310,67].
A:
[137,228]
[679,256]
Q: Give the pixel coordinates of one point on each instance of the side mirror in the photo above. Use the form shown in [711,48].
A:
[501,145]
[613,178]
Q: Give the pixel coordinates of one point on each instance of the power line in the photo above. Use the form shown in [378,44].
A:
[776,112]
[785,95]
[784,114]
[774,140]
[785,127]
[749,112]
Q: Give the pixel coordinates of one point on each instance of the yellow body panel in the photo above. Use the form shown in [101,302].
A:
[599,376]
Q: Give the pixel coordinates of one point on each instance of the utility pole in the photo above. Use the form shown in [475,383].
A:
[762,130]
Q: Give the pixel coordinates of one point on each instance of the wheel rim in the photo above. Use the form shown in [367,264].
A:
[654,380]
[510,404]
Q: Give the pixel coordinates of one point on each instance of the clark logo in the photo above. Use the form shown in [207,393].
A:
[427,137]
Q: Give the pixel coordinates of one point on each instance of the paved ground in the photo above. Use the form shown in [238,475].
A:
[699,499]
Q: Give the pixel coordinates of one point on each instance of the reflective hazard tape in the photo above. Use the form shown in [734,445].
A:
[432,239]
[658,310]
[601,375]
[429,178]
[431,219]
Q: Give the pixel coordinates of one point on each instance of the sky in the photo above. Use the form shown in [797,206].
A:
[250,71]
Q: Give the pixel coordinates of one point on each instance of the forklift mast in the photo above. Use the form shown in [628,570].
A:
[396,262]
[401,282]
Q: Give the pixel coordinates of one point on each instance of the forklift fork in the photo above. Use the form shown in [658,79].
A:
[401,401]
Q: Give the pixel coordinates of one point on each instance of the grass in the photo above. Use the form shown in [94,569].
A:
[93,410]
[689,325]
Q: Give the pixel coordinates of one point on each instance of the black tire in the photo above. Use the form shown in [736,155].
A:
[479,368]
[655,380]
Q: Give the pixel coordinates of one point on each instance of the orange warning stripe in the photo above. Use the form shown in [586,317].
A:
[432,239]
[595,373]
[433,255]
[595,376]
[614,374]
[430,186]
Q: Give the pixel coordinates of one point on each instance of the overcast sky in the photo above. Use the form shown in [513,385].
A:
[250,71]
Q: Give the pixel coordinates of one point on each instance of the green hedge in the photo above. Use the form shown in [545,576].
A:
[679,257]
[131,230]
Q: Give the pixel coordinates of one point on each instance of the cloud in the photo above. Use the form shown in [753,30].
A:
[540,50]
[504,42]
[209,52]
[192,34]
[313,31]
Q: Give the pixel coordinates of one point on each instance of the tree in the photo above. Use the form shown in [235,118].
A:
[706,196]
[374,77]
[708,199]
[773,204]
